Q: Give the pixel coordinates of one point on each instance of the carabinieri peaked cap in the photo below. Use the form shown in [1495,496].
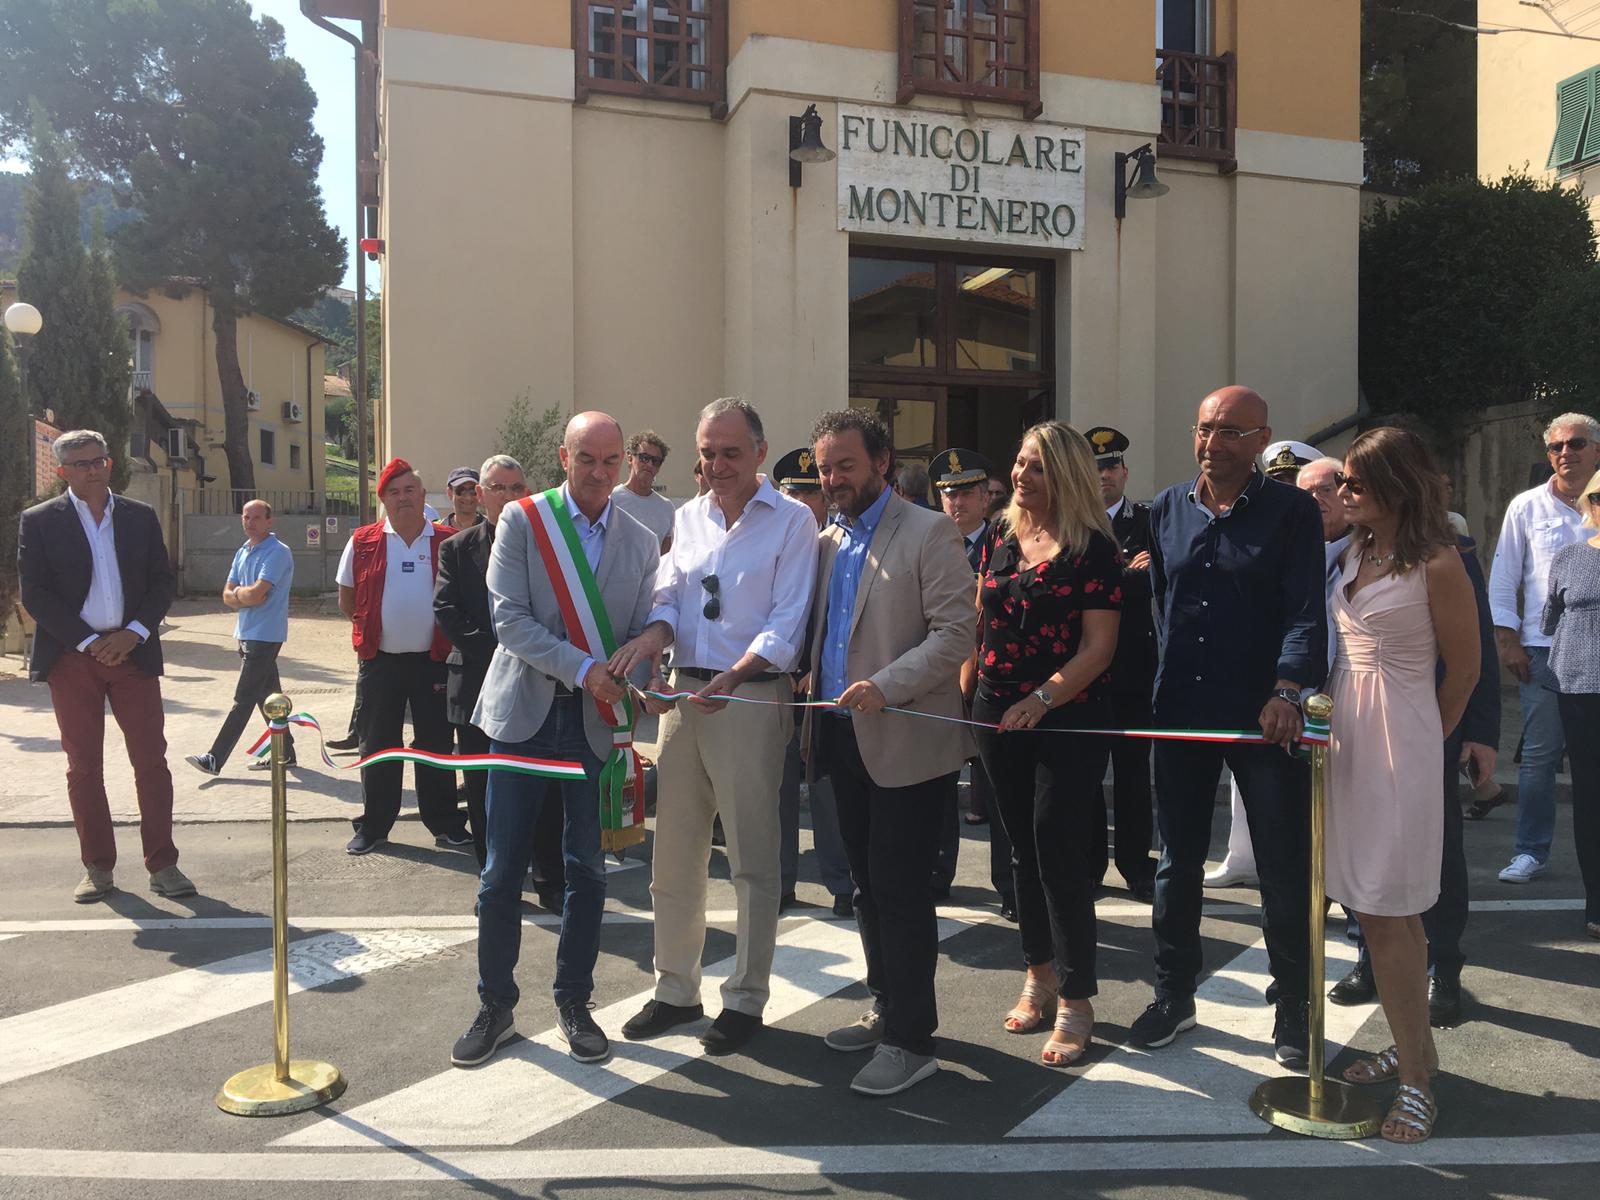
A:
[1284,459]
[1108,445]
[958,468]
[797,471]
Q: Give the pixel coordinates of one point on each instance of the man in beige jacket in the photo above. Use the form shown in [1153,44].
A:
[892,620]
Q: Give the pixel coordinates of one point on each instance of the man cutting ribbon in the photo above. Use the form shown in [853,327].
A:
[568,571]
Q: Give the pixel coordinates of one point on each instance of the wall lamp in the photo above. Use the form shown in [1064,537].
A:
[1143,184]
[805,143]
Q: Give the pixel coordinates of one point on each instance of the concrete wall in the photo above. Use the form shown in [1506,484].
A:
[1491,465]
[209,544]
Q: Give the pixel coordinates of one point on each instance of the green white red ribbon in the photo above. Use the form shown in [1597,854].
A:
[544,768]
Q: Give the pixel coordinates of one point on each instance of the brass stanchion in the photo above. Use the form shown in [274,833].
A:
[281,1086]
[1317,1106]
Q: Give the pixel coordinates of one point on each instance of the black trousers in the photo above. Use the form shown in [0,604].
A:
[548,867]
[1130,792]
[1277,802]
[258,679]
[1045,786]
[983,801]
[1580,718]
[891,843]
[385,684]
[945,861]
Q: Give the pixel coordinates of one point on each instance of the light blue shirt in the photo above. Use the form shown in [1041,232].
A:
[271,560]
[592,537]
[842,585]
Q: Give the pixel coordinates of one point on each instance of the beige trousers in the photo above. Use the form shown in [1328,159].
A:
[729,762]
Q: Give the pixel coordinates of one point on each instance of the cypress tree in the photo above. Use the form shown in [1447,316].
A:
[16,487]
[108,356]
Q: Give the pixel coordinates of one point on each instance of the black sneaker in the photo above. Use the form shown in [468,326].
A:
[363,843]
[1358,987]
[585,1040]
[204,763]
[453,841]
[657,1016]
[1290,1036]
[1444,1003]
[1164,1019]
[491,1029]
[844,906]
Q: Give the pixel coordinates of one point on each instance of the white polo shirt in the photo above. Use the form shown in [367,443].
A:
[407,612]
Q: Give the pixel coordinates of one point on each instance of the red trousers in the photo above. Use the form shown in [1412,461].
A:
[79,690]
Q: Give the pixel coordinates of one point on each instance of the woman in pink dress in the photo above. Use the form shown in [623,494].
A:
[1402,605]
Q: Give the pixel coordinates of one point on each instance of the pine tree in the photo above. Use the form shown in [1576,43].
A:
[16,487]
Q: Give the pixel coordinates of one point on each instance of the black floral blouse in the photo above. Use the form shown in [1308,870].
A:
[1032,619]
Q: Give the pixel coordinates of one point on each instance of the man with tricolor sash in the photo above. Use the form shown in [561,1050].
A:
[570,578]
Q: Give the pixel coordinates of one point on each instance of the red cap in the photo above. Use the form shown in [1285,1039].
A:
[397,466]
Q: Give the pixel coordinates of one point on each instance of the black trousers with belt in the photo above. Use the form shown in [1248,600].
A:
[386,683]
[891,836]
[1130,792]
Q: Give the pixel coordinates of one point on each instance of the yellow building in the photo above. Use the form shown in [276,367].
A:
[1539,92]
[593,201]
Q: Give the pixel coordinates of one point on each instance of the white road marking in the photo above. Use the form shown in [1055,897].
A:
[6,937]
[717,1161]
[65,1033]
[533,1085]
[1197,1085]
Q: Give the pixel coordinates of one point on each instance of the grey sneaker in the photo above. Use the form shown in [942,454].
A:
[95,885]
[892,1070]
[490,1029]
[204,763]
[866,1033]
[171,883]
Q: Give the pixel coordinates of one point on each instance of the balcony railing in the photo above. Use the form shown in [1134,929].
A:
[141,382]
[1198,105]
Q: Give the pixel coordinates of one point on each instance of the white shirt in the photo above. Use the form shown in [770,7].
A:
[407,612]
[654,511]
[1116,508]
[1537,524]
[102,607]
[766,567]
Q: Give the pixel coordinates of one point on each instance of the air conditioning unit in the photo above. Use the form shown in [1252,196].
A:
[177,446]
[252,401]
[293,411]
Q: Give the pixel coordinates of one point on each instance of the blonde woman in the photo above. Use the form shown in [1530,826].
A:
[1572,616]
[1049,604]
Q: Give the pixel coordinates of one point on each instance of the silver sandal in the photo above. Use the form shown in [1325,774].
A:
[1412,1109]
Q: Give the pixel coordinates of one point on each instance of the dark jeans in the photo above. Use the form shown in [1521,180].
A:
[891,836]
[1580,717]
[547,868]
[983,801]
[832,864]
[1130,792]
[258,679]
[1045,789]
[1277,802]
[513,805]
[385,684]
[949,844]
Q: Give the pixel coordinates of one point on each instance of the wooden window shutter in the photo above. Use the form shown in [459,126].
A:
[1591,141]
[1574,104]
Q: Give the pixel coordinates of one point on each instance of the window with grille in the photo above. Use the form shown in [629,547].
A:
[980,49]
[666,49]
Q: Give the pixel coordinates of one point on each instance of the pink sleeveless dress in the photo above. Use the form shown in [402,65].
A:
[1385,815]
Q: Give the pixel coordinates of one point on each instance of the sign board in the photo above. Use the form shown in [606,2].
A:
[909,173]
[333,524]
[313,536]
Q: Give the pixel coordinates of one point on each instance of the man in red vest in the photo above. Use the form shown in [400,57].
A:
[386,589]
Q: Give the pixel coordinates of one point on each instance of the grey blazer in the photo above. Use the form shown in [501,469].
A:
[534,651]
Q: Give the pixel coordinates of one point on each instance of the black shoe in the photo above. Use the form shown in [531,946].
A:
[657,1016]
[1164,1019]
[363,843]
[1144,891]
[349,742]
[786,901]
[491,1029]
[844,906]
[1357,987]
[551,898]
[729,1032]
[586,1042]
[1008,909]
[265,763]
[453,841]
[1444,1003]
[1290,1035]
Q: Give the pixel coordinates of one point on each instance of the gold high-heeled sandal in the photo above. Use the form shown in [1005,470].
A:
[1042,996]
[1070,1022]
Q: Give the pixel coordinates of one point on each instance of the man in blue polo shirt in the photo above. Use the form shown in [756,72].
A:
[258,588]
[1236,568]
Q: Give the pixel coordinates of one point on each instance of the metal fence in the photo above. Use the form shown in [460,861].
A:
[220,502]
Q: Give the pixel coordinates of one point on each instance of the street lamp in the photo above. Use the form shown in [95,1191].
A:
[1144,185]
[23,320]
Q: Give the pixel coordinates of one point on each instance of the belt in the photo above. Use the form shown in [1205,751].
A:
[708,676]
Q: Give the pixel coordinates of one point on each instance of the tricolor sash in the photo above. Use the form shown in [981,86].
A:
[589,629]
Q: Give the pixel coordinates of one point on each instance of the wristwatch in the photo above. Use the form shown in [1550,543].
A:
[1292,695]
[1044,695]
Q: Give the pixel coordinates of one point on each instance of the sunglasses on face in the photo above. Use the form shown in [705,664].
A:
[467,489]
[1594,498]
[1351,484]
[1574,444]
[655,460]
[713,608]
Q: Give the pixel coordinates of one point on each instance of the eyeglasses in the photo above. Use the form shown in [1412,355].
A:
[1323,489]
[1573,444]
[655,460]
[506,489]
[88,464]
[713,608]
[1226,434]
[1352,485]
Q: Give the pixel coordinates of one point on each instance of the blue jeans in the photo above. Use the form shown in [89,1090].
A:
[1542,746]
[512,810]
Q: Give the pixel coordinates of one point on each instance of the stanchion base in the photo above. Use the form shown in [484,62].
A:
[1343,1113]
[257,1092]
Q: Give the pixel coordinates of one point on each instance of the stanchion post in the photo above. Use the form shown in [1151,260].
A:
[1317,1106]
[282,1086]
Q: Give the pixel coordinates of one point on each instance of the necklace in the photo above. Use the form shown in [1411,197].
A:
[1378,560]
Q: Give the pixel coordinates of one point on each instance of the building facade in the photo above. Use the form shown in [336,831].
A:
[594,201]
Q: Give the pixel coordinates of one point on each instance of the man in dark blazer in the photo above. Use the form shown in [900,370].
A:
[1133,673]
[461,606]
[96,577]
